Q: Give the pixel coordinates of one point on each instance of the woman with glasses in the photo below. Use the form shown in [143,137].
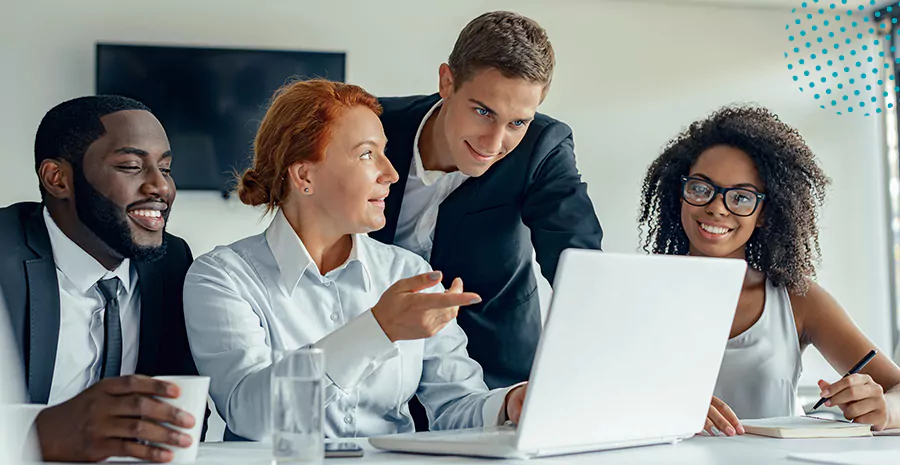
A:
[742,184]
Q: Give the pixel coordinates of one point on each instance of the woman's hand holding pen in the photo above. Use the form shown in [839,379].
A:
[861,399]
[722,417]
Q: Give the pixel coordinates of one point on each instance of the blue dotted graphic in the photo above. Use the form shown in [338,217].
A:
[860,62]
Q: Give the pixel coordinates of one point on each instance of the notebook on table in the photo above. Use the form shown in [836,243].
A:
[805,427]
[887,432]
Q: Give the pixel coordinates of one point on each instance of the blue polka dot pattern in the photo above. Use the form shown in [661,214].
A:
[861,61]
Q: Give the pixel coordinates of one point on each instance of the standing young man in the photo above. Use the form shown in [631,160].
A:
[485,180]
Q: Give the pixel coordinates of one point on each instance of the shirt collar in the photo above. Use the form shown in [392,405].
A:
[78,266]
[418,169]
[358,254]
[293,259]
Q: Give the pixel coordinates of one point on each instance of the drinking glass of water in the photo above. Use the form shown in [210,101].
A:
[298,406]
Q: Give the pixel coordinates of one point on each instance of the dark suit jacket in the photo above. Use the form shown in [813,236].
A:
[28,280]
[531,200]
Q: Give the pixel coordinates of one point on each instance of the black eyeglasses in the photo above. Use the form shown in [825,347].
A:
[740,201]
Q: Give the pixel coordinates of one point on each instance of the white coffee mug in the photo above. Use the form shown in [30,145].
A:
[194,390]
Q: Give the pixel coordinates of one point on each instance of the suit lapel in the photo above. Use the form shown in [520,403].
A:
[400,155]
[450,214]
[43,309]
[401,129]
[150,287]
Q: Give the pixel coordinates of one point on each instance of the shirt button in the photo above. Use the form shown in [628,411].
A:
[348,420]
[327,283]
[334,317]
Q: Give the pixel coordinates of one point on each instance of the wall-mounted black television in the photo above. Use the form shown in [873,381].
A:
[209,100]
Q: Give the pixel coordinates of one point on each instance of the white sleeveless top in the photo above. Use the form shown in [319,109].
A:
[761,367]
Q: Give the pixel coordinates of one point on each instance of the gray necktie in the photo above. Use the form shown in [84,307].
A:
[112,329]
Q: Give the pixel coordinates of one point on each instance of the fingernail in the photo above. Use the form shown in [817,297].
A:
[826,393]
[185,419]
[475,300]
[179,439]
[163,455]
[434,275]
[730,431]
[828,403]
[172,390]
[740,428]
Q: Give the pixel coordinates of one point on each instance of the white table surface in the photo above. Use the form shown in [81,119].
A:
[695,451]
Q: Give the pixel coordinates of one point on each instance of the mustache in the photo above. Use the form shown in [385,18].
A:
[150,201]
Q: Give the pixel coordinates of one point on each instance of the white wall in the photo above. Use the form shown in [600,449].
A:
[630,76]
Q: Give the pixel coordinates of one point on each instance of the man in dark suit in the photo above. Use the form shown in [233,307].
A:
[485,181]
[93,284]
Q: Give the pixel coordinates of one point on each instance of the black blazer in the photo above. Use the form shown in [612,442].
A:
[29,284]
[532,200]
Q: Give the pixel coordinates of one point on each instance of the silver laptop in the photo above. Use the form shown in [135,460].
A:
[629,356]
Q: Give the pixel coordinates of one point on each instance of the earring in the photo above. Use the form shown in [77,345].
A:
[306,189]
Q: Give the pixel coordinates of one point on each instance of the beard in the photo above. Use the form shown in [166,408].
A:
[108,222]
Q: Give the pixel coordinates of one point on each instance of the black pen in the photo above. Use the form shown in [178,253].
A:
[859,366]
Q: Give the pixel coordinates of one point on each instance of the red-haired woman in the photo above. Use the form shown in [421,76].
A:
[314,278]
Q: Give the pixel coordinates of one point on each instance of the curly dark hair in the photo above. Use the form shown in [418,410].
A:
[786,246]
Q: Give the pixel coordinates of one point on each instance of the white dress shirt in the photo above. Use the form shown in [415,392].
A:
[265,292]
[79,351]
[425,190]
